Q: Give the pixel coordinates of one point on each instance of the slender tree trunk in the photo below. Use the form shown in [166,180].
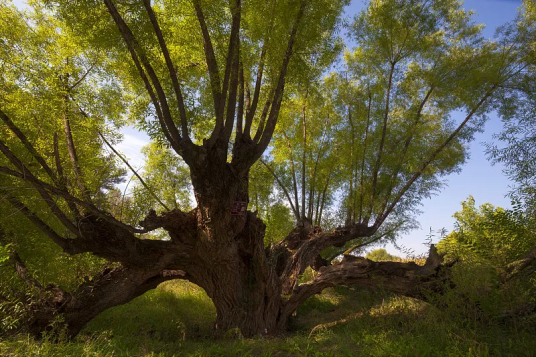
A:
[304,157]
[350,206]
[294,181]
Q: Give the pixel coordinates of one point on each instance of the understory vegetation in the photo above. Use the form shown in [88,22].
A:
[176,320]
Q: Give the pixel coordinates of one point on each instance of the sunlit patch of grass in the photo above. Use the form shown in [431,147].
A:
[176,320]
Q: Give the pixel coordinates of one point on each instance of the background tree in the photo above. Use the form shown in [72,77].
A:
[380,254]
[489,234]
[516,106]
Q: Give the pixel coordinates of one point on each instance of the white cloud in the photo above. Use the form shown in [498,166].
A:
[131,147]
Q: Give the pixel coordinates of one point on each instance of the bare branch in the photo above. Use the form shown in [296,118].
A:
[171,69]
[258,81]
[81,79]
[64,243]
[71,149]
[262,119]
[134,171]
[362,177]
[29,176]
[211,64]
[278,92]
[256,92]
[413,129]
[432,157]
[44,188]
[61,178]
[304,153]
[240,112]
[28,145]
[375,239]
[294,181]
[232,71]
[139,58]
[296,213]
[382,143]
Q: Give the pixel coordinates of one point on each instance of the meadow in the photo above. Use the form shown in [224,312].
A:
[176,320]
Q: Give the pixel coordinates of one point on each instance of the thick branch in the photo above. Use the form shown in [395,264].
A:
[109,288]
[306,244]
[139,58]
[408,279]
[171,69]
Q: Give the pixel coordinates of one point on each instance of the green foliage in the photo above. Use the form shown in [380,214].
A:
[489,235]
[485,241]
[379,255]
[337,150]
[263,25]
[515,146]
[46,77]
[279,223]
[350,144]
[175,320]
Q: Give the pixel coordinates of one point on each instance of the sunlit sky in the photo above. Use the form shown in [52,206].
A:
[486,183]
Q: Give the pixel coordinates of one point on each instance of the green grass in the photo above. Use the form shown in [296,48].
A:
[176,320]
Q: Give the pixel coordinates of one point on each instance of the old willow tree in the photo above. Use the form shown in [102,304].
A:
[209,79]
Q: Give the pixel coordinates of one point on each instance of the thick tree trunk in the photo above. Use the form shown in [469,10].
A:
[229,250]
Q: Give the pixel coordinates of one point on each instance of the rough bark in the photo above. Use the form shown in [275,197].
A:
[110,288]
[407,279]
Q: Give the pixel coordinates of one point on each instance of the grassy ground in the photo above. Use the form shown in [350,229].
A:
[175,320]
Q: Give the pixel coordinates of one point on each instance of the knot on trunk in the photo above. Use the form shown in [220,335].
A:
[181,226]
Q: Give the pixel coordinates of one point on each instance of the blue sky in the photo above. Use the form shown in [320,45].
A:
[486,183]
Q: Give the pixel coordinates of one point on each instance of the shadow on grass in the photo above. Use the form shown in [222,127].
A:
[176,320]
[173,311]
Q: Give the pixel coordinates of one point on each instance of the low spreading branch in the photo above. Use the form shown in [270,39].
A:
[513,269]
[407,279]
